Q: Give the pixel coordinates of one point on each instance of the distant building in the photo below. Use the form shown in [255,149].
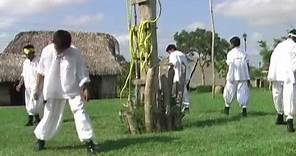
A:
[98,49]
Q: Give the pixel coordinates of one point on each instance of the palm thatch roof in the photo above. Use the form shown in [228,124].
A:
[99,50]
[10,67]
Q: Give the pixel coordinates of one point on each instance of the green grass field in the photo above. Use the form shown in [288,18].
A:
[206,132]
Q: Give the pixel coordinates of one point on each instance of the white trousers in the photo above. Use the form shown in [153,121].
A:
[240,89]
[33,107]
[53,118]
[186,97]
[277,95]
[289,100]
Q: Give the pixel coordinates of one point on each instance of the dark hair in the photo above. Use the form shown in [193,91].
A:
[293,31]
[28,46]
[62,39]
[292,34]
[171,47]
[235,41]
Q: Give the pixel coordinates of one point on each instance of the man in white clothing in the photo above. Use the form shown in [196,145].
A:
[238,78]
[282,79]
[282,74]
[64,77]
[179,59]
[29,78]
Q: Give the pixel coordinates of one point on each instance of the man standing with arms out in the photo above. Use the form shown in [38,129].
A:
[64,76]
[282,74]
[238,78]
[29,78]
[177,59]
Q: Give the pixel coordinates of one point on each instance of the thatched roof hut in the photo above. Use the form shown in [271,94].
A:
[10,67]
[99,50]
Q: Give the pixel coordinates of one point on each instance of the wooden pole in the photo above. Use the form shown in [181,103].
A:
[147,9]
[213,47]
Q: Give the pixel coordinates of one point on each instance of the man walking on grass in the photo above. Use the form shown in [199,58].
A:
[178,59]
[282,76]
[29,79]
[238,78]
[64,77]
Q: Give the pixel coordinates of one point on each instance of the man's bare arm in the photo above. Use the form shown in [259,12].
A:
[20,84]
[39,85]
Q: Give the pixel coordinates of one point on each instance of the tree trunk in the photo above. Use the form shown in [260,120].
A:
[147,10]
[203,77]
[150,98]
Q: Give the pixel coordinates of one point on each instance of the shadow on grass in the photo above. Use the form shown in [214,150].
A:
[67,147]
[111,145]
[69,120]
[225,119]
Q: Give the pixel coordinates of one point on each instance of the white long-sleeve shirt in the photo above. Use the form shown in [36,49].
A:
[64,74]
[281,62]
[29,73]
[178,59]
[237,62]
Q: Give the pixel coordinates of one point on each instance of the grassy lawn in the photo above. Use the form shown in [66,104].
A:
[207,132]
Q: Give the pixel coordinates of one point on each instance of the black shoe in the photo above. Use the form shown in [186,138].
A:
[290,127]
[226,110]
[185,109]
[30,121]
[244,113]
[280,120]
[37,119]
[40,145]
[91,147]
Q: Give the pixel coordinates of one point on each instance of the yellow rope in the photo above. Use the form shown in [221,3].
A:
[140,35]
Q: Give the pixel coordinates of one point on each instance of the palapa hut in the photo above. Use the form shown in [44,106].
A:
[99,51]
[10,69]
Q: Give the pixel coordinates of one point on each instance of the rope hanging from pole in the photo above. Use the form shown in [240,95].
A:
[139,40]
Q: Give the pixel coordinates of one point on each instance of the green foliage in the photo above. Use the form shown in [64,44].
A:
[221,66]
[200,41]
[265,52]
[256,73]
[138,114]
[122,78]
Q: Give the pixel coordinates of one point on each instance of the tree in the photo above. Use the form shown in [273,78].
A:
[199,41]
[265,52]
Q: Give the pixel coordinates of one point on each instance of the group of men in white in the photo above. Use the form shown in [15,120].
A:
[281,74]
[60,76]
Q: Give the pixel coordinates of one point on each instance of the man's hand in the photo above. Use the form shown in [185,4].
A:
[84,94]
[18,87]
[35,96]
[249,83]
[187,86]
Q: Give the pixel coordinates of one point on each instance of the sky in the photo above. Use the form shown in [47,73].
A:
[260,19]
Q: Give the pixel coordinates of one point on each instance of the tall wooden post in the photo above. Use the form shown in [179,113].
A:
[147,11]
[213,47]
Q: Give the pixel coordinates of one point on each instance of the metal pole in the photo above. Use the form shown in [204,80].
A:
[245,39]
